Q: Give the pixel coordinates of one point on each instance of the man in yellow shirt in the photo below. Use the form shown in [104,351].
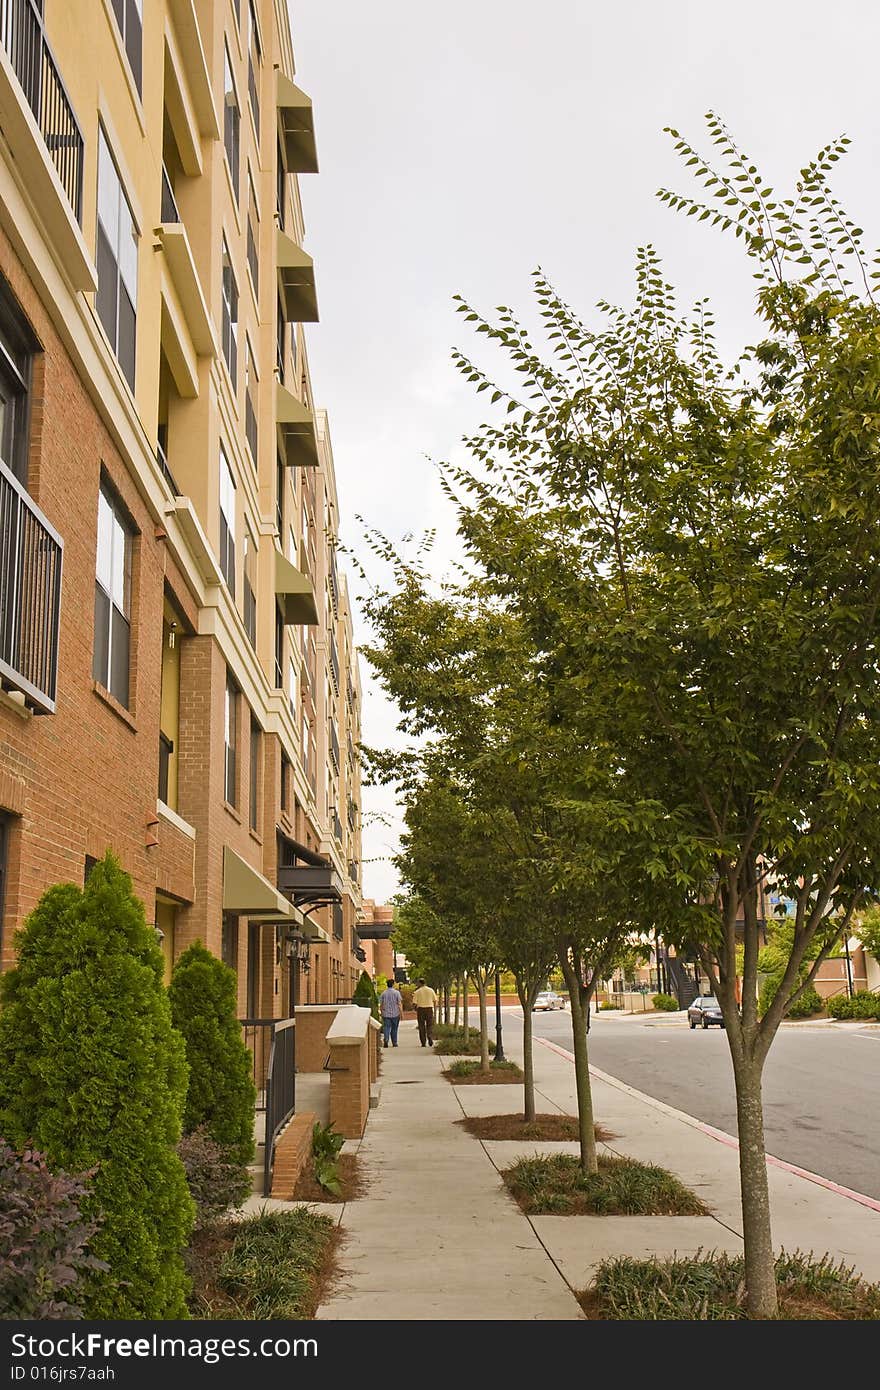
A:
[425,1001]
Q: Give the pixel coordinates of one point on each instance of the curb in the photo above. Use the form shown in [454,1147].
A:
[728,1140]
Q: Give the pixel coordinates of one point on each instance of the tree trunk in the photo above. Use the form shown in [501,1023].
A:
[457,992]
[484,1024]
[760,1265]
[528,1059]
[465,1023]
[586,1128]
[446,1004]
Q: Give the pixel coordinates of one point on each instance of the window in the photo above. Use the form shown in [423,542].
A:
[279,495]
[250,396]
[16,348]
[229,941]
[250,599]
[280,333]
[230,737]
[129,17]
[285,782]
[110,665]
[227,523]
[291,686]
[279,648]
[229,328]
[254,778]
[117,259]
[280,188]
[255,59]
[253,239]
[231,120]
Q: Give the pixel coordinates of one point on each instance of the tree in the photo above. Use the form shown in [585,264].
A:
[221,1094]
[93,1074]
[365,994]
[695,552]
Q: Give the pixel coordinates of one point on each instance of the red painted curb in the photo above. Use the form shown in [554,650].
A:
[728,1139]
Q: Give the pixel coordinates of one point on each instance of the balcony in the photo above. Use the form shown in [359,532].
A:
[337,828]
[334,745]
[353,873]
[310,883]
[30,597]
[334,663]
[23,37]
[295,592]
[338,922]
[169,204]
[44,137]
[333,578]
[296,276]
[186,328]
[297,127]
[296,430]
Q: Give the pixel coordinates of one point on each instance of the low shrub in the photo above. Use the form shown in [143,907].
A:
[607,1004]
[710,1288]
[406,994]
[809,1003]
[863,1004]
[216,1177]
[365,994]
[666,1002]
[470,1072]
[326,1147]
[265,1268]
[555,1184]
[43,1238]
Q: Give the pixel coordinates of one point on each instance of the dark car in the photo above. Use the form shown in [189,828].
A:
[705,1010]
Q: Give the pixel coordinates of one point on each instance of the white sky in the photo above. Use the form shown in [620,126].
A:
[463,144]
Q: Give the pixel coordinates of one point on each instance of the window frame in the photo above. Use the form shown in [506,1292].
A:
[254,43]
[18,347]
[134,48]
[231,121]
[103,663]
[229,315]
[228,529]
[111,246]
[231,697]
[256,744]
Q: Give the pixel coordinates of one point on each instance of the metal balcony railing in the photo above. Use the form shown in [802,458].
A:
[30,596]
[23,37]
[162,460]
[169,205]
[337,827]
[334,663]
[334,745]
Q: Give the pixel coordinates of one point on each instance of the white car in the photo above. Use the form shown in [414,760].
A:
[548,1000]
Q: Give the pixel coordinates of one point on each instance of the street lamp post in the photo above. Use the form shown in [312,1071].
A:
[499,1045]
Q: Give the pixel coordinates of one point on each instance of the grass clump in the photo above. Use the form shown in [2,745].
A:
[464,1072]
[711,1288]
[555,1184]
[268,1267]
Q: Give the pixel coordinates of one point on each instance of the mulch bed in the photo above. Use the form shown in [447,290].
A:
[500,1074]
[211,1258]
[549,1127]
[556,1185]
[350,1178]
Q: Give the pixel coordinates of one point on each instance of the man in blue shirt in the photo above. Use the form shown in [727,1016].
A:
[391,1009]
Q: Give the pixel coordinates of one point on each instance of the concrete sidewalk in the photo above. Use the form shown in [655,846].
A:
[437,1237]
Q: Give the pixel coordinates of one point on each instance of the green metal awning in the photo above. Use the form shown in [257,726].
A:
[296,430]
[296,272]
[297,127]
[295,592]
[247,893]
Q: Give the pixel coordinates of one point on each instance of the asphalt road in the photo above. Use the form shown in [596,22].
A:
[821,1086]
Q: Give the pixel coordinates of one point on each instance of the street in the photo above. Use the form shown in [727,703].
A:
[821,1091]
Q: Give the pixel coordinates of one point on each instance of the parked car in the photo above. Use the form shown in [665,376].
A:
[548,1000]
[705,1010]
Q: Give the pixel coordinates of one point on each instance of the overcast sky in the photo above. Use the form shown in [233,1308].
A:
[463,144]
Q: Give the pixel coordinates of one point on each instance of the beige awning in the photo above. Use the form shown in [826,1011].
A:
[297,128]
[312,932]
[247,893]
[296,272]
[296,429]
[296,593]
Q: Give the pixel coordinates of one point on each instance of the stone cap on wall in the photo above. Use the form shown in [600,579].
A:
[350,1025]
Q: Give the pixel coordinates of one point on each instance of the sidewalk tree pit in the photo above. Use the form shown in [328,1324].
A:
[556,1184]
[642,524]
